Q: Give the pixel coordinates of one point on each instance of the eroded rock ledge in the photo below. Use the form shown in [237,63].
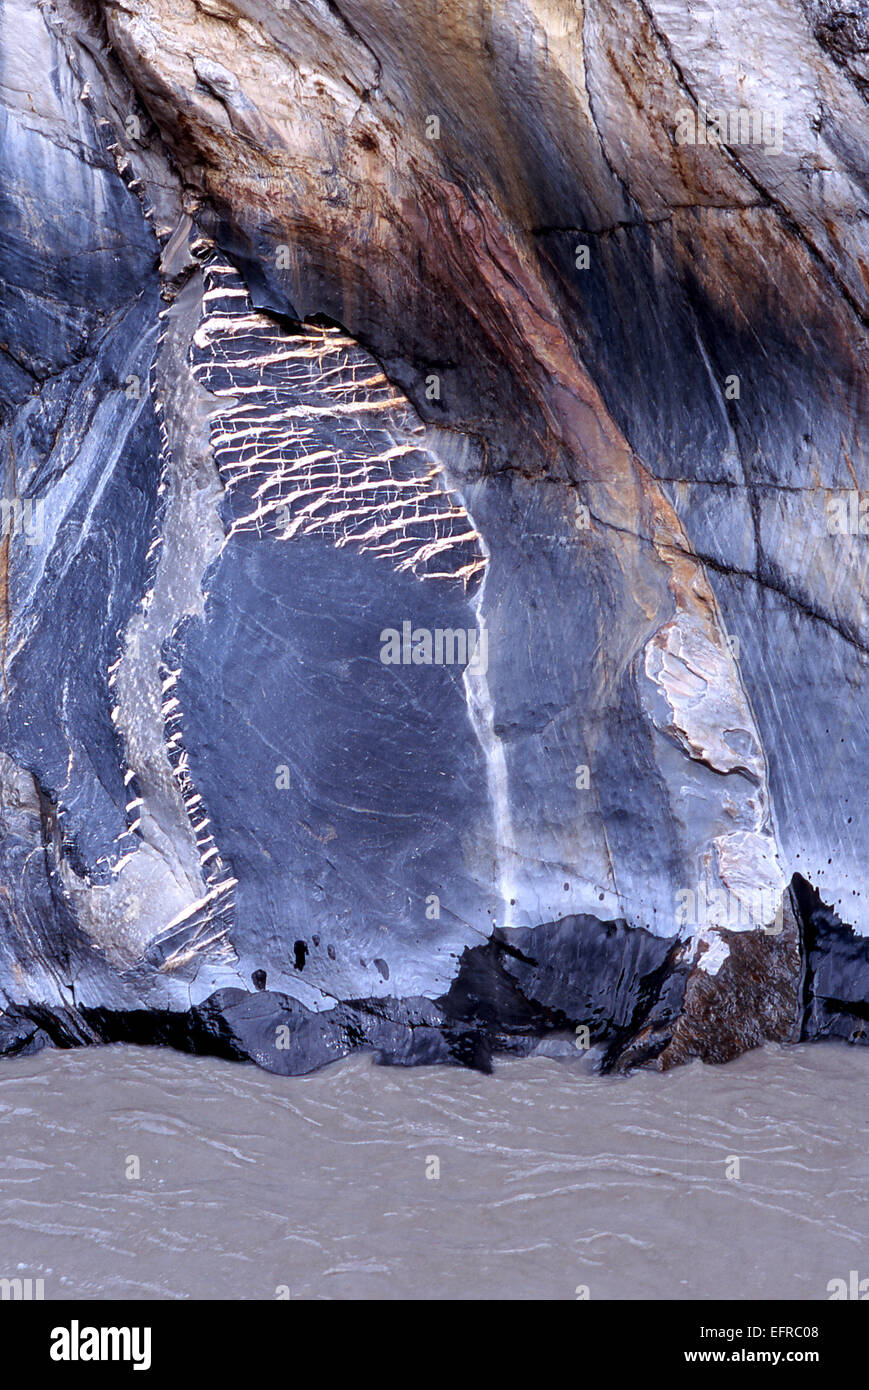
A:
[433,574]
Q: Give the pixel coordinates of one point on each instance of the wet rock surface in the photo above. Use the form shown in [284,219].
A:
[836,972]
[433,572]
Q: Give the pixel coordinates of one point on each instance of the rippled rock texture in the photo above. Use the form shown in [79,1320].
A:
[433,573]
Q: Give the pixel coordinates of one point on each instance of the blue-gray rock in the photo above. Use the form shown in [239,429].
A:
[433,574]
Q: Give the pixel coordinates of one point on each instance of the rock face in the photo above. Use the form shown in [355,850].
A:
[435,512]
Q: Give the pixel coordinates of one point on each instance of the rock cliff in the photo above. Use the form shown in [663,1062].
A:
[435,527]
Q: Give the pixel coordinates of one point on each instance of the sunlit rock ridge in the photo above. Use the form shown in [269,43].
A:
[435,527]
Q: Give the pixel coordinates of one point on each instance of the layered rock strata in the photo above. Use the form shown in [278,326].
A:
[433,572]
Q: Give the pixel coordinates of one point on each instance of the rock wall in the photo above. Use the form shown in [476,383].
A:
[434,541]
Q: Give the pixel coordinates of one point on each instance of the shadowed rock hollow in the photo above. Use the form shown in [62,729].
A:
[434,561]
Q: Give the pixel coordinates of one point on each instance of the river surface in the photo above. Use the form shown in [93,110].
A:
[552,1179]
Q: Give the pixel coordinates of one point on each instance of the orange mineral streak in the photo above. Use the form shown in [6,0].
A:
[517,313]
[392,221]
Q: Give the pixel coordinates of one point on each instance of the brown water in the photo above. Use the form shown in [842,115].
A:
[550,1178]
